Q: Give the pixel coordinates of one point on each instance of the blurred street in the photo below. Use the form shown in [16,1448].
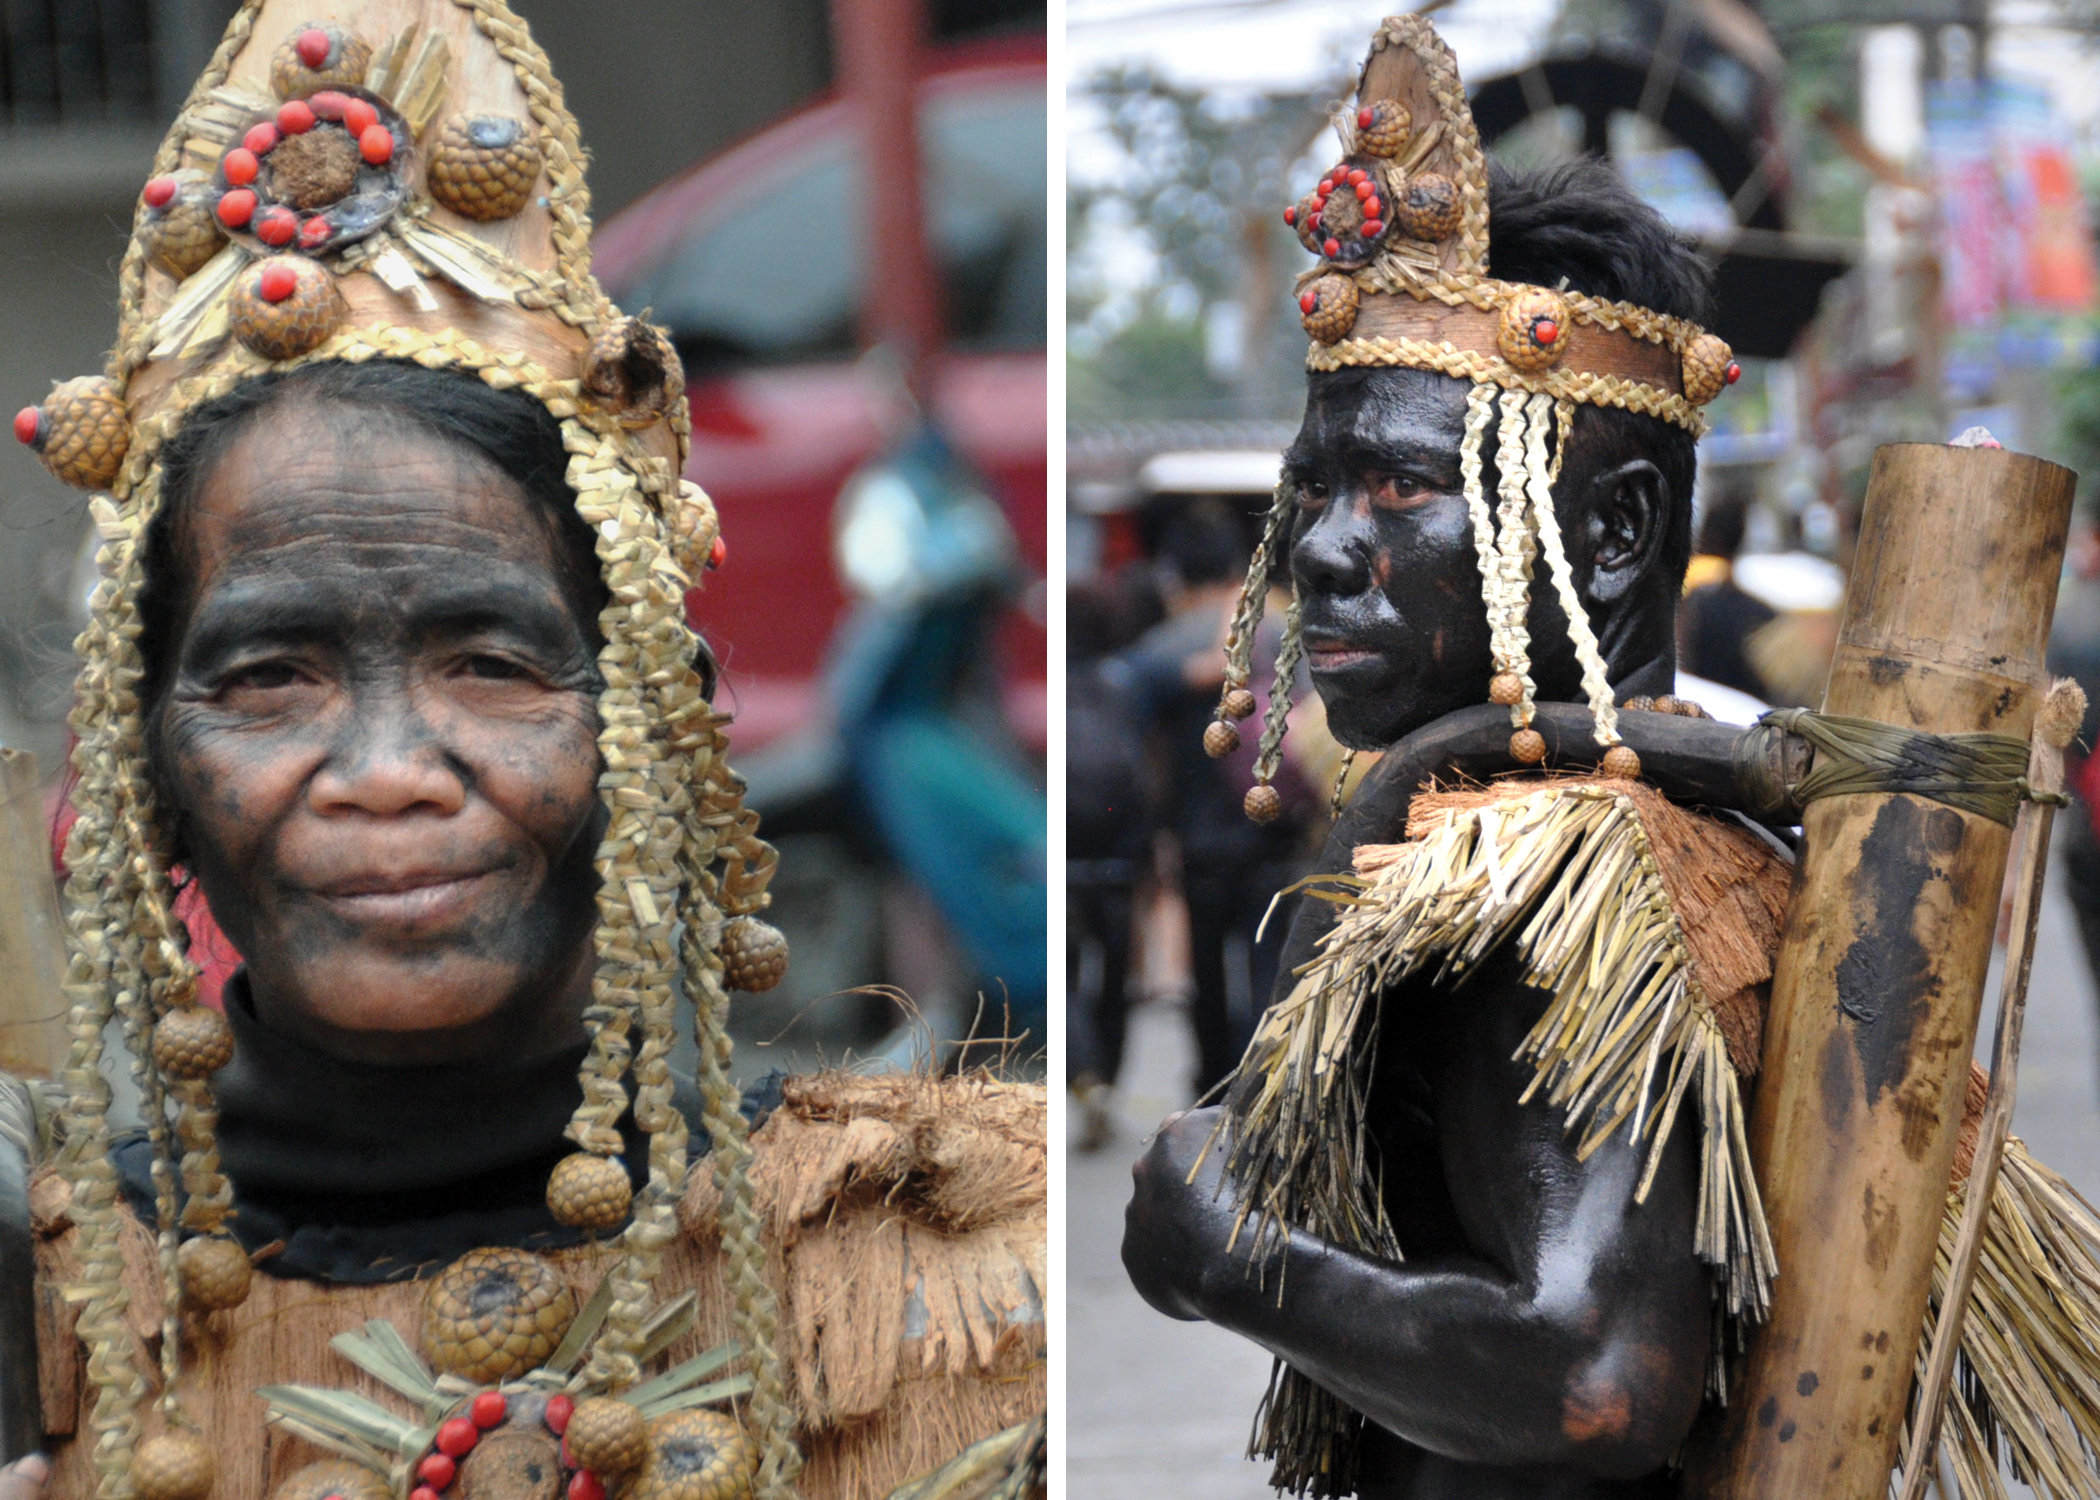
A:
[1159,1410]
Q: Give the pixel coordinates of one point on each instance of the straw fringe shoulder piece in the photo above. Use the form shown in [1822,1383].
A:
[929,1191]
[1652,930]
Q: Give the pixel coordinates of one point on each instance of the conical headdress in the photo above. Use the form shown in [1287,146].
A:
[1401,226]
[399,179]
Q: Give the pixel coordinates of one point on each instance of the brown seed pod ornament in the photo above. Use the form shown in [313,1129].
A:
[607,1436]
[1527,747]
[1220,739]
[194,1041]
[483,167]
[754,955]
[1621,762]
[215,1274]
[319,55]
[332,1477]
[285,306]
[1709,368]
[695,1455]
[493,1314]
[81,431]
[1239,704]
[1534,330]
[1427,208]
[172,1466]
[1506,689]
[179,232]
[1381,128]
[589,1192]
[632,372]
[1327,308]
[1263,803]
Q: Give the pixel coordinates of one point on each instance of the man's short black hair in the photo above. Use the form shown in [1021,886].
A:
[1580,226]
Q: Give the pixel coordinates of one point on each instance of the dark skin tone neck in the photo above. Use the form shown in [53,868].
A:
[379,739]
[1546,1337]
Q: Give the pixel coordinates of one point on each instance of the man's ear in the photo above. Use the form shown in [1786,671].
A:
[1628,517]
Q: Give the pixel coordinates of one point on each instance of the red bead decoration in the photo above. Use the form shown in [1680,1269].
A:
[295,117]
[277,226]
[1326,187]
[1546,331]
[586,1486]
[1333,248]
[1373,209]
[358,116]
[1373,228]
[240,166]
[1365,117]
[1290,215]
[456,1438]
[315,232]
[329,104]
[261,139]
[1734,372]
[376,145]
[489,1410]
[278,281]
[437,1470]
[1313,222]
[1358,177]
[236,208]
[29,425]
[1363,191]
[313,47]
[1307,302]
[160,192]
[561,1408]
[420,1492]
[717,554]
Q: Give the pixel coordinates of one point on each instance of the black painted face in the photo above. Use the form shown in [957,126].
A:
[380,737]
[1388,576]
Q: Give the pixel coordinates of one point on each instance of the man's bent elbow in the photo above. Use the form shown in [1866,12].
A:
[1626,1415]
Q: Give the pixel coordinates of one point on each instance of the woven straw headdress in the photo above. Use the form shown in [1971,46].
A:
[1401,226]
[402,181]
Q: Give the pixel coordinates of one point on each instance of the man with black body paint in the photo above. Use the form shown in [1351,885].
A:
[1546,1338]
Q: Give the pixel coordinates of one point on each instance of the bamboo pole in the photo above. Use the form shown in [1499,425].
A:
[32,943]
[1880,973]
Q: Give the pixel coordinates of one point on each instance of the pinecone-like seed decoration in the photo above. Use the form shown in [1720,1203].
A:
[1706,361]
[332,1477]
[632,371]
[1428,207]
[1263,803]
[85,432]
[1333,310]
[1534,329]
[589,1192]
[1239,704]
[172,1466]
[1220,739]
[754,955]
[695,1455]
[484,167]
[1527,747]
[1621,761]
[182,234]
[294,73]
[1642,704]
[1506,688]
[285,306]
[315,169]
[215,1274]
[496,1313]
[607,1436]
[1384,132]
[192,1042]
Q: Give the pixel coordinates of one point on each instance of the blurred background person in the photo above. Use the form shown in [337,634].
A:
[1718,617]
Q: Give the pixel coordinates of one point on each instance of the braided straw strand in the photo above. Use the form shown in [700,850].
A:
[1509,617]
[1254,593]
[1289,652]
[1596,683]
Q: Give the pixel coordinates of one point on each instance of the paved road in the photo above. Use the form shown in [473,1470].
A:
[1159,1410]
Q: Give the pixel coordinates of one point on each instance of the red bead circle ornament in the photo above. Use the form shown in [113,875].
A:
[456,1438]
[277,227]
[329,104]
[1343,216]
[296,117]
[237,207]
[437,1469]
[240,166]
[336,162]
[376,145]
[262,139]
[1533,331]
[489,1410]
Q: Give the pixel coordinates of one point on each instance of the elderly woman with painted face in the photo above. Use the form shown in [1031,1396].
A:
[1482,1183]
[390,661]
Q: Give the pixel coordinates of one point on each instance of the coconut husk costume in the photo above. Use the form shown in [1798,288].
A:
[1652,928]
[854,1288]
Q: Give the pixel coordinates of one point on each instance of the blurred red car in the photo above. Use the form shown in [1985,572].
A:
[755,261]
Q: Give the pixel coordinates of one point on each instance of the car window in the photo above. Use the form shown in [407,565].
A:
[772,272]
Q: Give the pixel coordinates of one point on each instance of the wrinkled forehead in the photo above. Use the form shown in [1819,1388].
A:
[1367,412]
